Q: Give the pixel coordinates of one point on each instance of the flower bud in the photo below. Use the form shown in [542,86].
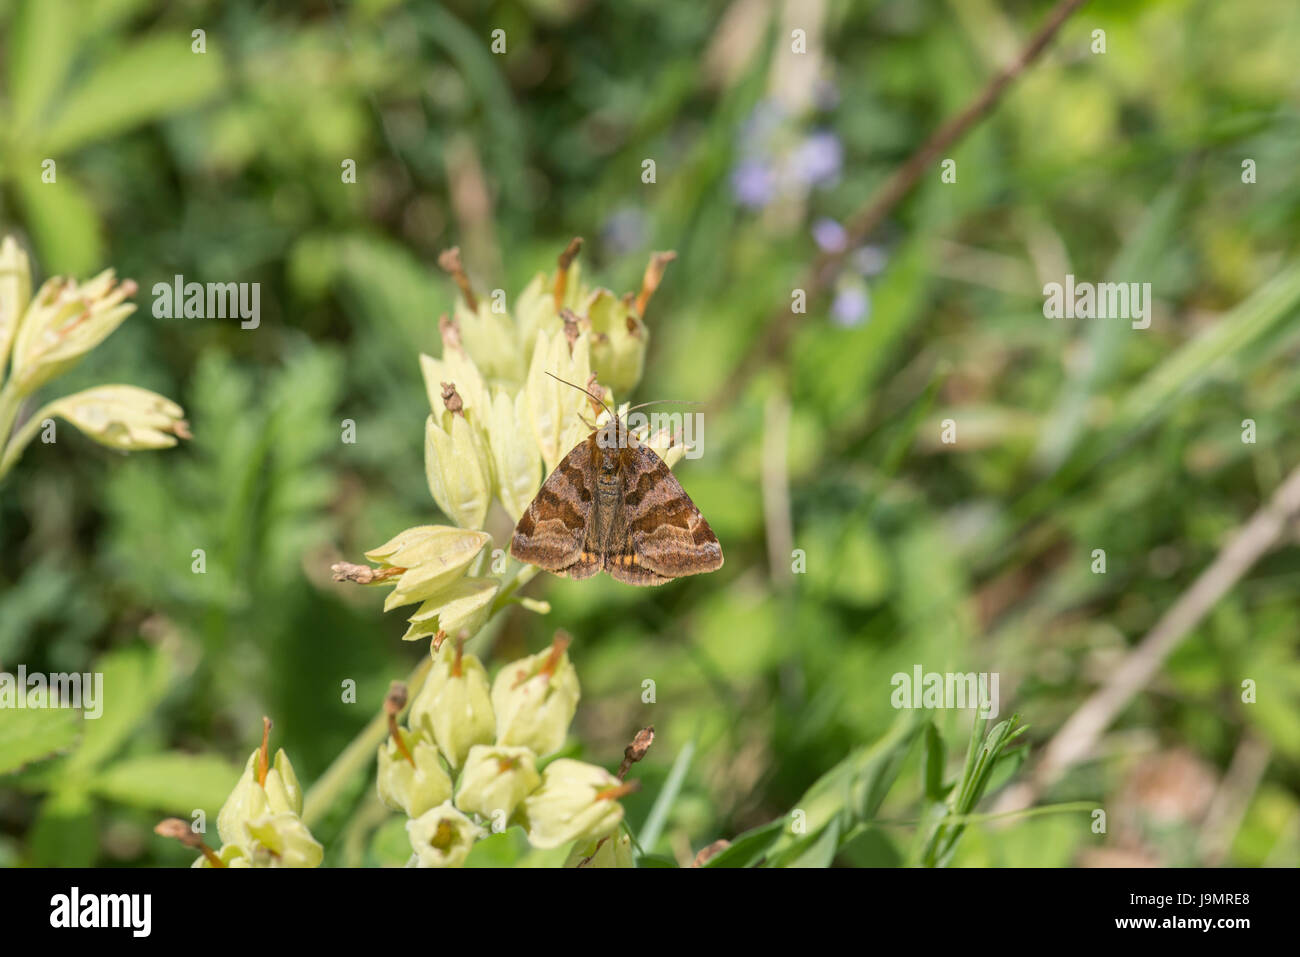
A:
[459,471]
[15,292]
[553,406]
[454,707]
[576,802]
[123,417]
[281,793]
[230,855]
[515,459]
[496,778]
[462,606]
[442,837]
[611,850]
[491,339]
[535,699]
[458,368]
[666,447]
[535,309]
[618,341]
[63,322]
[434,557]
[281,840]
[412,788]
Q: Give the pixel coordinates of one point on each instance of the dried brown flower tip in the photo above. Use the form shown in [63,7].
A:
[654,274]
[395,700]
[572,327]
[452,400]
[562,273]
[176,829]
[362,574]
[708,853]
[449,329]
[635,751]
[449,262]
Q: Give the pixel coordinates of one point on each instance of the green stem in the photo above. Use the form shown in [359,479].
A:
[9,401]
[13,449]
[357,755]
[361,750]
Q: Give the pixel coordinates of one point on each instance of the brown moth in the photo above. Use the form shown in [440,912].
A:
[612,503]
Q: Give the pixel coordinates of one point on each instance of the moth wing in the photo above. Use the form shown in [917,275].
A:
[552,531]
[665,536]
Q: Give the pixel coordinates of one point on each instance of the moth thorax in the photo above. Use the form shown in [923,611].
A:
[611,437]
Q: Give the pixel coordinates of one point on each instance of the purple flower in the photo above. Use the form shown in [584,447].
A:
[852,306]
[830,235]
[753,183]
[819,158]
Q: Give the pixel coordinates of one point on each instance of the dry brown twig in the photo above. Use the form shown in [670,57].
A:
[633,753]
[1077,738]
[781,325]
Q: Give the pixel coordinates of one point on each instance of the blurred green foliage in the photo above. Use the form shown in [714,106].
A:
[1073,434]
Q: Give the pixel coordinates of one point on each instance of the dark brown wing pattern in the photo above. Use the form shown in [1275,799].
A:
[552,531]
[660,534]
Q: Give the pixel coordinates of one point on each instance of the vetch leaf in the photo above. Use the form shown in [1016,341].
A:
[749,848]
[135,680]
[175,782]
[933,755]
[149,79]
[30,734]
[65,226]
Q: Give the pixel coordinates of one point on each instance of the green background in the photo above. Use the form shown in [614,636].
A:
[1072,434]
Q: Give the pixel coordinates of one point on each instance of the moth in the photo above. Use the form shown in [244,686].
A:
[613,504]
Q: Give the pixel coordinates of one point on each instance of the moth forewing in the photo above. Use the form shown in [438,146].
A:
[552,531]
[613,503]
[665,532]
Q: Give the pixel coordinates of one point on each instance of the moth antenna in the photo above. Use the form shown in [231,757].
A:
[642,405]
[586,391]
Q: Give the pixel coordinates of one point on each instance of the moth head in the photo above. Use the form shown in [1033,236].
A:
[611,439]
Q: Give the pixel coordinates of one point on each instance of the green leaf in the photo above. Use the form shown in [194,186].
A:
[749,848]
[135,680]
[510,848]
[655,860]
[390,846]
[64,832]
[933,758]
[870,847]
[499,850]
[821,852]
[31,734]
[180,783]
[658,816]
[63,221]
[855,787]
[149,79]
[43,39]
